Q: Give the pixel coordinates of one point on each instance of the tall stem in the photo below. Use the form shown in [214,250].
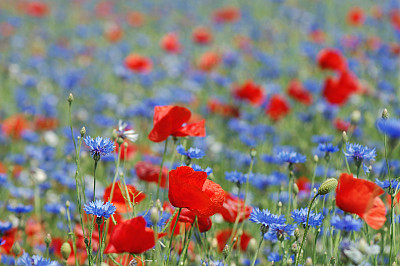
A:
[161,168]
[172,235]
[391,192]
[258,249]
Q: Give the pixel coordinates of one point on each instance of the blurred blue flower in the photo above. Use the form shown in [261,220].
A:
[235,177]
[192,153]
[390,127]
[291,157]
[346,223]
[20,208]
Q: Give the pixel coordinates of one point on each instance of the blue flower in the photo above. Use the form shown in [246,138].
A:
[265,217]
[53,208]
[35,260]
[235,177]
[5,226]
[347,223]
[274,256]
[99,147]
[280,230]
[291,157]
[300,217]
[359,154]
[192,153]
[197,168]
[390,127]
[20,208]
[161,223]
[321,138]
[327,148]
[385,183]
[100,209]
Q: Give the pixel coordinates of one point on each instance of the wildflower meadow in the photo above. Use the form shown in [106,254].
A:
[205,133]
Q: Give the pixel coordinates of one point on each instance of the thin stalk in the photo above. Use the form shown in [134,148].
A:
[72,235]
[161,168]
[172,235]
[182,259]
[258,249]
[392,227]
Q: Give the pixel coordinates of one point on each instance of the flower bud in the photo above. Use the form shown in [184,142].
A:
[294,248]
[329,185]
[225,251]
[252,247]
[253,153]
[316,159]
[47,240]
[385,114]
[297,233]
[295,189]
[16,249]
[154,216]
[289,261]
[120,141]
[67,204]
[83,131]
[308,262]
[66,250]
[114,135]
[264,229]
[70,98]
[344,137]
[333,261]
[355,117]
[377,237]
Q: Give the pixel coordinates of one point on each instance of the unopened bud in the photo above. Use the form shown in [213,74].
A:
[114,135]
[355,117]
[280,204]
[47,240]
[316,159]
[154,216]
[67,204]
[252,247]
[225,251]
[125,145]
[289,261]
[70,98]
[295,189]
[344,137]
[385,114]
[83,131]
[377,237]
[253,153]
[333,261]
[264,229]
[120,141]
[297,233]
[329,185]
[66,250]
[294,248]
[308,262]
[16,249]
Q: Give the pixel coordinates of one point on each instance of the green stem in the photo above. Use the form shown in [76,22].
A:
[92,224]
[72,235]
[161,168]
[258,249]
[392,228]
[172,235]
[183,256]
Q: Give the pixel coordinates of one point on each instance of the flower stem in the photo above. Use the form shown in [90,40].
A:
[258,249]
[161,168]
[391,192]
[172,235]
[72,235]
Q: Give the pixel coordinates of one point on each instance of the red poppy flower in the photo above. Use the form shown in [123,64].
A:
[188,216]
[226,14]
[277,107]
[128,149]
[113,32]
[332,59]
[361,197]
[356,16]
[341,125]
[223,109]
[169,120]
[229,210]
[337,91]
[223,237]
[395,18]
[138,63]
[45,123]
[118,198]
[202,35]
[121,237]
[170,43]
[15,125]
[304,184]
[8,236]
[135,19]
[317,36]
[208,61]
[251,92]
[36,9]
[299,93]
[191,189]
[149,172]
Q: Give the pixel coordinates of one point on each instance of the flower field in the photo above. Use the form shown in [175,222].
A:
[199,132]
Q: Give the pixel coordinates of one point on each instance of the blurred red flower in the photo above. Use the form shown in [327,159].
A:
[226,14]
[121,237]
[118,197]
[356,16]
[277,107]
[251,92]
[208,61]
[229,210]
[113,32]
[138,63]
[45,123]
[15,125]
[338,90]
[170,43]
[135,19]
[361,197]
[223,109]
[299,93]
[169,120]
[36,9]
[149,172]
[191,189]
[202,35]
[330,58]
[223,237]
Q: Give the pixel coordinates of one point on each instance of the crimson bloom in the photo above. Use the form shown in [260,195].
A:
[168,120]
[209,60]
[188,216]
[229,210]
[330,58]
[361,197]
[36,9]
[15,125]
[170,43]
[223,237]
[226,14]
[118,199]
[121,237]
[277,107]
[223,109]
[113,32]
[202,35]
[191,189]
[149,172]
[251,92]
[338,90]
[138,63]
[299,93]
[356,16]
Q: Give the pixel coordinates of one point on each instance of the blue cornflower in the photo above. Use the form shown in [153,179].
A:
[54,208]
[161,223]
[35,260]
[327,148]
[390,127]
[235,177]
[321,138]
[100,209]
[347,223]
[360,154]
[265,217]
[274,256]
[300,217]
[192,153]
[385,183]
[198,168]
[20,208]
[5,226]
[291,157]
[2,241]
[99,147]
[7,260]
[280,230]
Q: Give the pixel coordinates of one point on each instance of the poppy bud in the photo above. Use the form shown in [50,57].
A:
[70,98]
[252,246]
[114,135]
[126,145]
[297,233]
[316,158]
[308,262]
[83,131]
[67,204]
[328,186]
[47,240]
[120,141]
[154,216]
[344,137]
[253,153]
[65,250]
[225,251]
[385,114]
[295,189]
[16,249]
[355,117]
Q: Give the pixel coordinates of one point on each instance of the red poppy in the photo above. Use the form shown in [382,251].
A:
[118,198]
[251,92]
[226,14]
[356,16]
[330,58]
[113,32]
[138,63]
[168,120]
[223,109]
[36,9]
[45,123]
[299,93]
[304,184]
[395,18]
[229,210]
[223,237]
[341,125]
[15,125]
[361,197]
[202,35]
[170,43]
[191,189]
[188,216]
[104,8]
[8,236]
[121,237]
[208,61]
[135,19]
[337,91]
[128,149]
[317,36]
[277,107]
[149,172]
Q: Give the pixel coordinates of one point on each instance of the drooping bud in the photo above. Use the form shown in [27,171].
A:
[355,117]
[70,98]
[66,250]
[154,216]
[329,185]
[120,141]
[385,114]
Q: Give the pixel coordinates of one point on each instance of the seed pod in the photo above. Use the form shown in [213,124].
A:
[66,250]
[328,186]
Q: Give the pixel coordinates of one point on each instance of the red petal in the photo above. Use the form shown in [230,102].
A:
[194,130]
[216,195]
[376,216]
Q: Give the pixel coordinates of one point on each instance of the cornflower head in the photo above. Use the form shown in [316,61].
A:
[321,138]
[99,147]
[346,223]
[328,148]
[265,217]
[125,132]
[300,217]
[100,209]
[198,168]
[192,153]
[280,231]
[20,208]
[390,127]
[290,157]
[35,260]
[235,177]
[360,154]
[386,184]
[5,226]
